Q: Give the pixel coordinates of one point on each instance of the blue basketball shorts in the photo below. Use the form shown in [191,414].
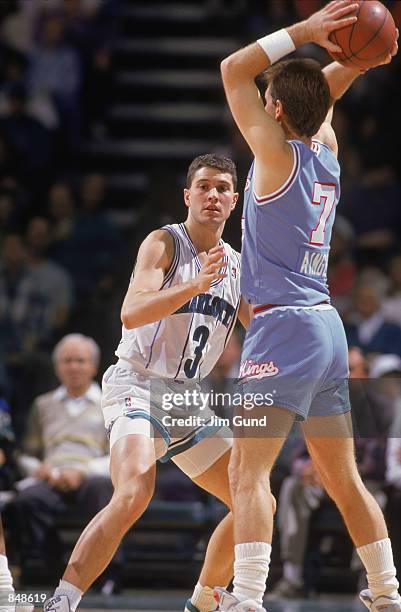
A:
[297,358]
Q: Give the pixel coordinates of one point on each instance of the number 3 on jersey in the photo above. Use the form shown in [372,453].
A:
[323,194]
[201,334]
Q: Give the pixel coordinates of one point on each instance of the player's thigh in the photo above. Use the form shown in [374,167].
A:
[258,439]
[206,463]
[133,459]
[215,479]
[331,447]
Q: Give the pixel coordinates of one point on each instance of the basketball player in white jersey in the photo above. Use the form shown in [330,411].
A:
[295,345]
[178,314]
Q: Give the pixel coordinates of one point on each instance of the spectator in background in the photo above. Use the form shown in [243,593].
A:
[30,142]
[50,297]
[38,104]
[65,452]
[9,213]
[342,270]
[378,190]
[13,277]
[8,467]
[62,215]
[366,326]
[392,303]
[55,68]
[93,267]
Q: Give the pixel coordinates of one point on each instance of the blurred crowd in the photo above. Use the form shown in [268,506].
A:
[64,264]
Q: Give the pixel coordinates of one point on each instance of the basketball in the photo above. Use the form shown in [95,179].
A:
[369,40]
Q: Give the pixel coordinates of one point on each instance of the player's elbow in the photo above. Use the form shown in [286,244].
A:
[129,317]
[228,67]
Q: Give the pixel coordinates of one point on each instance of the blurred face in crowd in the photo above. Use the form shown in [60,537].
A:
[357,363]
[75,366]
[366,301]
[61,205]
[13,252]
[53,31]
[6,208]
[38,235]
[93,192]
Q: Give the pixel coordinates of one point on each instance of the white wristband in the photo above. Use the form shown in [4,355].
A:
[277,45]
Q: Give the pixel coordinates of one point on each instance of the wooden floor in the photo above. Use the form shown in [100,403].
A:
[143,600]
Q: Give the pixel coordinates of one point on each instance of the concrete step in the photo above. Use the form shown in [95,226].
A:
[172,79]
[145,149]
[168,113]
[177,12]
[178,47]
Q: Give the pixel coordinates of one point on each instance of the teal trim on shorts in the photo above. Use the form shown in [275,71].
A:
[142,414]
[180,448]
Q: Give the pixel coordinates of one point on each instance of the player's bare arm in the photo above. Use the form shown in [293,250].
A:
[245,313]
[339,79]
[275,161]
[146,301]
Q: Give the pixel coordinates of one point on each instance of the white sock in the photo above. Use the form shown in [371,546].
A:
[292,572]
[251,568]
[377,558]
[6,580]
[74,595]
[202,598]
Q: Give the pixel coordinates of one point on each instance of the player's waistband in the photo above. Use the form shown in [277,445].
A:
[262,309]
[138,368]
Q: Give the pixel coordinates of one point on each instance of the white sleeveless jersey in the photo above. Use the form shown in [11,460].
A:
[187,344]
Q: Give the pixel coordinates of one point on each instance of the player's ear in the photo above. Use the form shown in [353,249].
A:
[235,200]
[186,197]
[279,110]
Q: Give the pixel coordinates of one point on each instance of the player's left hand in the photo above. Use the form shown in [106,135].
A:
[335,15]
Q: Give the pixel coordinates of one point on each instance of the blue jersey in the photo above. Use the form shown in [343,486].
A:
[286,235]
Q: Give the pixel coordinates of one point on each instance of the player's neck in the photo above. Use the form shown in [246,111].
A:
[291,135]
[202,238]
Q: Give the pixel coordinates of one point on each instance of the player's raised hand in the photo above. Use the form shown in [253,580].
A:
[213,268]
[335,15]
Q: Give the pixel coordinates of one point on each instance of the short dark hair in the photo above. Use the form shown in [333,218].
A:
[301,87]
[210,160]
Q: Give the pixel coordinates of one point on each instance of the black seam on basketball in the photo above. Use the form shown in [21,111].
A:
[362,59]
[355,53]
[354,24]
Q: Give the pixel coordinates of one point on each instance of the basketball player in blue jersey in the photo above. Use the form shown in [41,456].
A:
[178,314]
[295,345]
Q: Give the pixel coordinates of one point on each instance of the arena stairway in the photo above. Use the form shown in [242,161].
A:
[167,103]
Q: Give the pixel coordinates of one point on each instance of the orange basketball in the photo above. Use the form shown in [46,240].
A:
[369,40]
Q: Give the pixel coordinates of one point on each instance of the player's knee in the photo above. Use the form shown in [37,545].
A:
[346,493]
[246,481]
[133,498]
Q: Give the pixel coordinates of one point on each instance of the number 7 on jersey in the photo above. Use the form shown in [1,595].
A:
[323,194]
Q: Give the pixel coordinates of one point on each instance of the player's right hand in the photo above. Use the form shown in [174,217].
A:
[335,15]
[213,268]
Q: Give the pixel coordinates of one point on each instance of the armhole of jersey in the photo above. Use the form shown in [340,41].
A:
[176,257]
[278,193]
[317,148]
